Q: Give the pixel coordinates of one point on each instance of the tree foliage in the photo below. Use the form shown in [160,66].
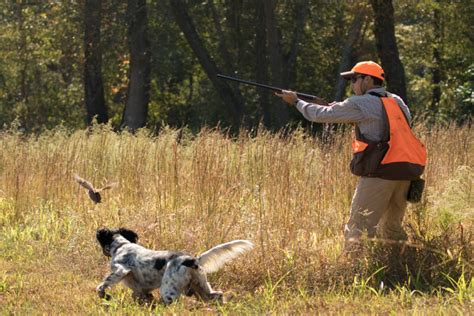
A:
[301,45]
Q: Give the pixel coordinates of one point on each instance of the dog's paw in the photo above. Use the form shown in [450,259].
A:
[217,296]
[101,292]
[167,300]
[189,292]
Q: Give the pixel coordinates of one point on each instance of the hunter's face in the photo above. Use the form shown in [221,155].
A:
[358,84]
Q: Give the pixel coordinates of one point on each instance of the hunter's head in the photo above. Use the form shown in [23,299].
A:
[364,76]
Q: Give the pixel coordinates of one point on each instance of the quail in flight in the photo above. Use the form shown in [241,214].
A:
[93,192]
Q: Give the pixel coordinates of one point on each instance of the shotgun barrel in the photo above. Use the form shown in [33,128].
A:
[305,96]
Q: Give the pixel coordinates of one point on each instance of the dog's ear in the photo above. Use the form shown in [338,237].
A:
[130,235]
[190,263]
[104,236]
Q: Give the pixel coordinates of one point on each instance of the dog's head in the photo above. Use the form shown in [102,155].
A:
[105,237]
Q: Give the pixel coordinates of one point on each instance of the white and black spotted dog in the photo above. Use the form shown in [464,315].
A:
[174,273]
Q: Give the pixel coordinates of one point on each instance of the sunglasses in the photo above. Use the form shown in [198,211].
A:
[355,78]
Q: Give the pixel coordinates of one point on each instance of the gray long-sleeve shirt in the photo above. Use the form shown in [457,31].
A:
[364,110]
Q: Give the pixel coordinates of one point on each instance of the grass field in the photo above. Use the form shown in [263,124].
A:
[289,195]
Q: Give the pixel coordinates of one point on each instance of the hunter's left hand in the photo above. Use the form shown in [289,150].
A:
[288,96]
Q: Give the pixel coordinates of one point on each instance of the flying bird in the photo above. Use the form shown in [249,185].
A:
[94,193]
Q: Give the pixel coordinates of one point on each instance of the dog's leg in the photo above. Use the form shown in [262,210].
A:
[117,274]
[175,281]
[139,293]
[202,288]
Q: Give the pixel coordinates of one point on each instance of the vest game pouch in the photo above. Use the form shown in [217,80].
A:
[366,161]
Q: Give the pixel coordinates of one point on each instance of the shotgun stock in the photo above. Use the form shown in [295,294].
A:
[304,96]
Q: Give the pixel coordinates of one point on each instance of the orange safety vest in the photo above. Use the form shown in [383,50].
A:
[399,156]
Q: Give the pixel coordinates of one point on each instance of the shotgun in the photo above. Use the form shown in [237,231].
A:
[304,96]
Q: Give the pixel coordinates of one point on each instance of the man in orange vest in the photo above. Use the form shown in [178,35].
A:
[381,157]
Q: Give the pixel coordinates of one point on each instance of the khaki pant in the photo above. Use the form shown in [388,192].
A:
[378,207]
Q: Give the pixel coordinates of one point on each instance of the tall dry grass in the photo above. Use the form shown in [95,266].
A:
[289,194]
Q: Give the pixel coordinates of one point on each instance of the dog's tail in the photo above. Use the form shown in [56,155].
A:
[213,259]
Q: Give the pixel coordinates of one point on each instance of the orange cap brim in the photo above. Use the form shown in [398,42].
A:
[347,75]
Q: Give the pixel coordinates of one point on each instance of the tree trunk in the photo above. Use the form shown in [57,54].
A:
[280,111]
[436,69]
[136,108]
[93,85]
[22,53]
[282,64]
[233,16]
[261,74]
[353,35]
[289,70]
[231,63]
[228,96]
[384,30]
[223,47]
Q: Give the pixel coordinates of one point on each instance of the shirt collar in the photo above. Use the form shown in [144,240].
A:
[376,90]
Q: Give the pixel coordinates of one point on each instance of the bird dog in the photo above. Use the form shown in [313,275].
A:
[174,273]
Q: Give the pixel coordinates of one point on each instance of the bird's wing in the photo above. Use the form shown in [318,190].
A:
[108,186]
[86,184]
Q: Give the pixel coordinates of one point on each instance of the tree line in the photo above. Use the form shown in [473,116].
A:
[154,63]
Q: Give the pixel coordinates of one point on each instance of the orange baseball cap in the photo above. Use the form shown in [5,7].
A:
[366,68]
